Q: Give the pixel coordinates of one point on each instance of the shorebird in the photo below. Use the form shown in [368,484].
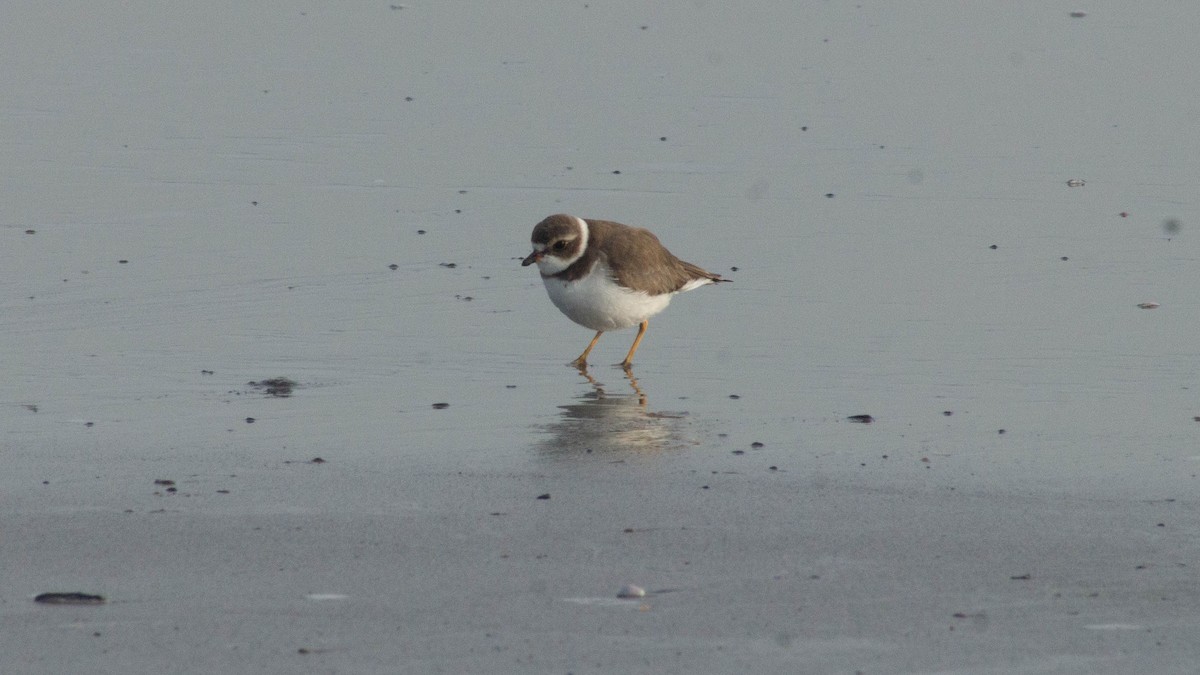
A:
[607,276]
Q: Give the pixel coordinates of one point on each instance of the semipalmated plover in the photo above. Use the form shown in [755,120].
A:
[607,276]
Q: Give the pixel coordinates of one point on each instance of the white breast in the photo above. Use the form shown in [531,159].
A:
[597,302]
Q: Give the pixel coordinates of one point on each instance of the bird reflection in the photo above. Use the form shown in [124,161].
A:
[606,421]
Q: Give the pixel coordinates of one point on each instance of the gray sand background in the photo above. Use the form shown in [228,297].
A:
[218,193]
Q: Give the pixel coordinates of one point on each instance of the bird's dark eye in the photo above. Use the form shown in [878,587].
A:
[559,245]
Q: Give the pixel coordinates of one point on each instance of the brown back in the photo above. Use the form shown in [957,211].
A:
[637,259]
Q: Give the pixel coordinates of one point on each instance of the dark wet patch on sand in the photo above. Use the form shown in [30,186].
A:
[279,387]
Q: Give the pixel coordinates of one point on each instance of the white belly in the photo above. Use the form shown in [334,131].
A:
[597,302]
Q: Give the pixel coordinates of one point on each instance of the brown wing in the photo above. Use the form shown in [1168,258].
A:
[638,260]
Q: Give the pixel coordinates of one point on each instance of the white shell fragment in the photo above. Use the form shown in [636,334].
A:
[630,592]
[1075,182]
[1148,305]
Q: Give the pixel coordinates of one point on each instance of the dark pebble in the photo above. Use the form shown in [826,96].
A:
[993,247]
[829,195]
[163,481]
[440,406]
[393,266]
[756,444]
[249,420]
[449,265]
[1000,431]
[617,172]
[70,599]
[30,231]
[420,231]
[316,460]
[861,419]
[544,496]
[734,396]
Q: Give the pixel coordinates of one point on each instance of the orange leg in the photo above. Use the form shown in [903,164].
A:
[636,341]
[581,362]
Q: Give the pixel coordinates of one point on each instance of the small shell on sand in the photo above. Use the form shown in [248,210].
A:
[631,592]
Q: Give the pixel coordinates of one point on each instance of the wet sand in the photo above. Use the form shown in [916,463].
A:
[341,197]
